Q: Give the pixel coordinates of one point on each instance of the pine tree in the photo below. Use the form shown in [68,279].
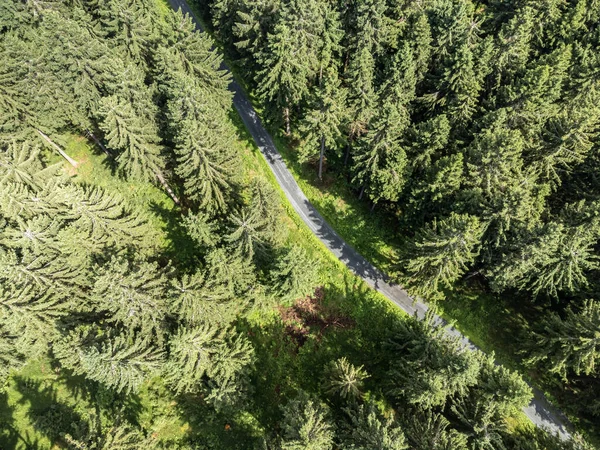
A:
[426,140]
[104,216]
[305,425]
[569,345]
[197,57]
[20,164]
[119,436]
[442,252]
[202,136]
[362,99]
[255,19]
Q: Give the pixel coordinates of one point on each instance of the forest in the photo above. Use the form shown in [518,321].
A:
[156,291]
[472,126]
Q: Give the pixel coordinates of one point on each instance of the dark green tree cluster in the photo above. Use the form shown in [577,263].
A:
[473,124]
[438,108]
[81,281]
[433,393]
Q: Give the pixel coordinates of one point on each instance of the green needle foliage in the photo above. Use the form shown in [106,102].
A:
[369,429]
[305,425]
[294,274]
[569,344]
[345,379]
[121,362]
[442,252]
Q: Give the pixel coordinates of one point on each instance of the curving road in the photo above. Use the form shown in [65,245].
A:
[540,412]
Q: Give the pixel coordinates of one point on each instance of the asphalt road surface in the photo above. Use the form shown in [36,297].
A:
[539,411]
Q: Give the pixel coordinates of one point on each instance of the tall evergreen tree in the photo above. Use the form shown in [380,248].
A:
[442,252]
[569,345]
[370,429]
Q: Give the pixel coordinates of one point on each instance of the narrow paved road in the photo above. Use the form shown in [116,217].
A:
[540,412]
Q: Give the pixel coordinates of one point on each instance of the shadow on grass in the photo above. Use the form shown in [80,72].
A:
[181,250]
[48,415]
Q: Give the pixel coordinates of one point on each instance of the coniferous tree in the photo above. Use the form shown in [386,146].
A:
[427,429]
[428,368]
[345,379]
[305,425]
[556,259]
[119,361]
[133,294]
[134,136]
[321,127]
[370,429]
[569,345]
[442,252]
[207,358]
[294,274]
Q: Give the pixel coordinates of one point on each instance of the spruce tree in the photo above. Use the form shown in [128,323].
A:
[197,299]
[442,252]
[287,67]
[133,136]
[132,294]
[207,358]
[427,368]
[306,425]
[345,379]
[570,344]
[294,274]
[369,429]
[119,361]
[430,430]
[321,126]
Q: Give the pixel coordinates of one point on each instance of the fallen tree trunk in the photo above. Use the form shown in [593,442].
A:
[58,149]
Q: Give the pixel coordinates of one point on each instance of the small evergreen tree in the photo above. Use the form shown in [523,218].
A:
[294,274]
[345,379]
[369,429]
